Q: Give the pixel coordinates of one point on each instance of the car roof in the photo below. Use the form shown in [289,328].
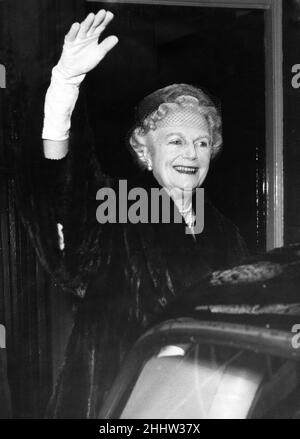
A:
[264,291]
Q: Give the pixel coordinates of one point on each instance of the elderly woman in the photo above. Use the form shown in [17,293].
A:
[126,273]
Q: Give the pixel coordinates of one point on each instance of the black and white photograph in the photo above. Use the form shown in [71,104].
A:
[149,212]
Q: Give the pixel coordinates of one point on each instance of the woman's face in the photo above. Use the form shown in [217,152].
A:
[180,150]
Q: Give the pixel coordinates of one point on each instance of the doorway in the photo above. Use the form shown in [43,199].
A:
[221,50]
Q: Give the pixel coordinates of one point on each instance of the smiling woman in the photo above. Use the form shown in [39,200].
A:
[177,132]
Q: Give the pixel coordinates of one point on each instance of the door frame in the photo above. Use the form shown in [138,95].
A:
[274,102]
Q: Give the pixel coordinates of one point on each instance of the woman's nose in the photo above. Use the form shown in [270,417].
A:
[190,151]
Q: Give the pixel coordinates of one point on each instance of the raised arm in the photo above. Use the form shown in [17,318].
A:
[57,197]
[81,53]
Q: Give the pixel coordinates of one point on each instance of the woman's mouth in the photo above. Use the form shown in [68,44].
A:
[186,169]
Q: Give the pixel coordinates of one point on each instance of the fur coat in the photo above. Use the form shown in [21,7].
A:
[125,274]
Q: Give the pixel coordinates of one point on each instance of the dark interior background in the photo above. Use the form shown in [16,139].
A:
[220,50]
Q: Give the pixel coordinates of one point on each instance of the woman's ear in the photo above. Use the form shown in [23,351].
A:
[139,143]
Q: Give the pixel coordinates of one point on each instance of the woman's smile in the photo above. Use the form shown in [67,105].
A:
[189,170]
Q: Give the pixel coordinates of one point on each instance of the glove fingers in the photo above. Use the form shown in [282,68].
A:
[99,17]
[106,45]
[109,16]
[72,34]
[85,25]
[101,27]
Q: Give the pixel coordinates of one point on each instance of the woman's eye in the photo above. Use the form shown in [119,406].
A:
[202,143]
[176,142]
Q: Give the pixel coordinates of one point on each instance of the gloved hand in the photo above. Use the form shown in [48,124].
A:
[81,53]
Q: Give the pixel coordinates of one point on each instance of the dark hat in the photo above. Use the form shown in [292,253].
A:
[169,94]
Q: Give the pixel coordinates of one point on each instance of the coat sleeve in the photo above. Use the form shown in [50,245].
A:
[57,198]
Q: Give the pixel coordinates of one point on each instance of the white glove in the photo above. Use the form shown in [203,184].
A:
[81,53]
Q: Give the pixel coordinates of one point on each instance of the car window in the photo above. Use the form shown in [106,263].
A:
[199,381]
